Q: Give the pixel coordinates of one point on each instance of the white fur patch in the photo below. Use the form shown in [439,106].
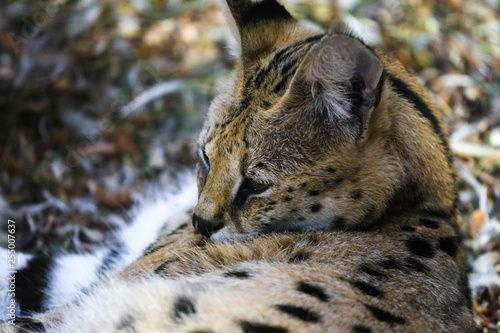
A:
[70,274]
[158,211]
[166,209]
[220,235]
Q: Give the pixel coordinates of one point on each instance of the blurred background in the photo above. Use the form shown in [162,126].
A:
[98,99]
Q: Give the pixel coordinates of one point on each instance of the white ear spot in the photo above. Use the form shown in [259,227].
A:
[338,73]
[325,72]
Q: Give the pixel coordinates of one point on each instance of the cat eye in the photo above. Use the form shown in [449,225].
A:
[257,187]
[247,188]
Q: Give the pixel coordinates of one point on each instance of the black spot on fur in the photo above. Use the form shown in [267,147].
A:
[356,194]
[416,265]
[408,228]
[313,193]
[367,289]
[385,316]
[268,209]
[260,165]
[448,245]
[31,284]
[125,322]
[272,203]
[429,223]
[338,180]
[299,312]
[183,306]
[237,274]
[338,222]
[266,104]
[303,185]
[249,327]
[316,208]
[370,271]
[359,328]
[331,170]
[389,263]
[300,256]
[420,247]
[289,190]
[312,290]
[287,199]
[160,270]
[201,243]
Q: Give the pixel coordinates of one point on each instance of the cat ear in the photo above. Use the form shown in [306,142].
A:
[339,82]
[250,22]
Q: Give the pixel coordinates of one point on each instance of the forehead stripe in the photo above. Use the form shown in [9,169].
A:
[282,56]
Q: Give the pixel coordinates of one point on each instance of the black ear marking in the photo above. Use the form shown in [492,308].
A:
[244,15]
[247,12]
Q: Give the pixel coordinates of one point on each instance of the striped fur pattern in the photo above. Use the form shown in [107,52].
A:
[326,203]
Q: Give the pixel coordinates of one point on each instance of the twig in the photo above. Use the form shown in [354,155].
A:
[481,190]
[467,149]
[151,94]
[489,179]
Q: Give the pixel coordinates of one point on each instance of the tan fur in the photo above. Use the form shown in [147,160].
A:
[375,211]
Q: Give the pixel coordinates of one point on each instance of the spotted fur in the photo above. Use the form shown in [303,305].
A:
[326,202]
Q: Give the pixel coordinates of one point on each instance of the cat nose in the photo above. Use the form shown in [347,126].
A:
[204,227]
